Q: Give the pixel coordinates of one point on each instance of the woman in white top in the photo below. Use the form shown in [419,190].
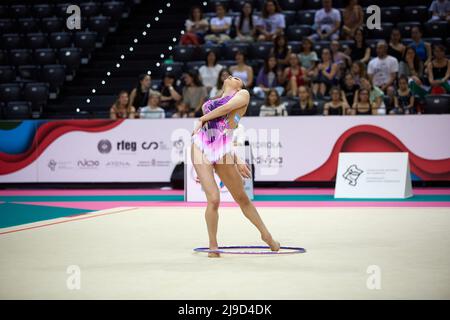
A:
[210,71]
[196,27]
[242,70]
[273,106]
[272,22]
[152,110]
[246,23]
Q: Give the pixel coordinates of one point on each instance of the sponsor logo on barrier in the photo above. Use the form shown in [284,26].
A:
[53,165]
[352,174]
[104,146]
[118,164]
[88,164]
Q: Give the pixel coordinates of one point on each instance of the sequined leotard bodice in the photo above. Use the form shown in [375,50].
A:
[215,138]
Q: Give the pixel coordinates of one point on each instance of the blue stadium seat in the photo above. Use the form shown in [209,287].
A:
[37,93]
[42,10]
[298,32]
[183,53]
[44,56]
[20,56]
[60,40]
[89,9]
[17,110]
[437,29]
[52,24]
[28,72]
[436,104]
[19,11]
[10,92]
[293,5]
[36,40]
[306,17]
[390,14]
[27,25]
[7,25]
[261,50]
[7,74]
[415,13]
[231,50]
[11,41]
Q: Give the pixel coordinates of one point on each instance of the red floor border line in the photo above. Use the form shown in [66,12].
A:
[59,222]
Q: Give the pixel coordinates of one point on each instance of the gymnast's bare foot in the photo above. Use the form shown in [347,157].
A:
[213,254]
[273,244]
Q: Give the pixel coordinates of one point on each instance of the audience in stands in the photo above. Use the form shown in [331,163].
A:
[182,110]
[338,106]
[404,99]
[362,104]
[121,109]
[347,77]
[383,69]
[246,24]
[308,57]
[152,110]
[242,70]
[306,105]
[194,93]
[440,10]
[294,76]
[272,22]
[170,93]
[281,50]
[376,96]
[396,48]
[349,87]
[326,74]
[353,19]
[273,105]
[196,27]
[269,77]
[359,50]
[209,72]
[423,49]
[139,95]
[327,22]
[220,26]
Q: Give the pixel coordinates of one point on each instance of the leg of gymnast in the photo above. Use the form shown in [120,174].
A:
[211,149]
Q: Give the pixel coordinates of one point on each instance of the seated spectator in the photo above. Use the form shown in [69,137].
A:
[196,28]
[376,96]
[273,106]
[349,87]
[396,48]
[272,22]
[404,99]
[358,71]
[242,70]
[440,10]
[216,91]
[306,104]
[294,76]
[423,49]
[281,50]
[411,67]
[152,110]
[308,57]
[194,93]
[353,17]
[121,109]
[383,69]
[359,50]
[170,93]
[139,95]
[327,22]
[389,99]
[182,110]
[339,57]
[326,75]
[269,77]
[246,23]
[362,104]
[210,71]
[220,26]
[338,106]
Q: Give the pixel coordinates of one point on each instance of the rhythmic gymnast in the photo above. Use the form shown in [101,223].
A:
[212,150]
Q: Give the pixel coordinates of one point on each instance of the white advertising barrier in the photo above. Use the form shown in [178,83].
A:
[285,148]
[193,191]
[373,175]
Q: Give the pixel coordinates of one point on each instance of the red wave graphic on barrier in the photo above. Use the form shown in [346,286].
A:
[45,135]
[369,138]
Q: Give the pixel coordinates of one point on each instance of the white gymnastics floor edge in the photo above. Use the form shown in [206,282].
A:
[147,253]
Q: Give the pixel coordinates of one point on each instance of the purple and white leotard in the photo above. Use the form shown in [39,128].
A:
[215,138]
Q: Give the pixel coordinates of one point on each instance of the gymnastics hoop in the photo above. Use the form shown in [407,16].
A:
[223,250]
